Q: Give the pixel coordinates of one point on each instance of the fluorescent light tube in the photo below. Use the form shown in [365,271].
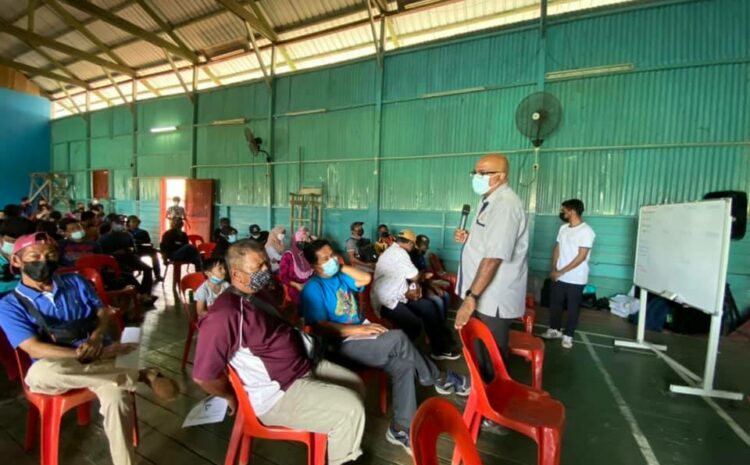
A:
[163,129]
[305,112]
[454,92]
[585,72]
[220,122]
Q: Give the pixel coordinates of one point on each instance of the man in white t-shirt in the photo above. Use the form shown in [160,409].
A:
[570,271]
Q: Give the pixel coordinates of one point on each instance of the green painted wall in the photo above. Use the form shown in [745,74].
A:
[387,149]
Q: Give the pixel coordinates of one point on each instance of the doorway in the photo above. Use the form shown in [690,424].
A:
[170,188]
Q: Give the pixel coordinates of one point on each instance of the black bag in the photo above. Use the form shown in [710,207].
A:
[64,333]
[366,251]
[314,345]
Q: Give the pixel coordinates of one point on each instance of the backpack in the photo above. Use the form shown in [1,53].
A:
[366,251]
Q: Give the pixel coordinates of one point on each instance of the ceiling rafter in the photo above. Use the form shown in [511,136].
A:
[154,13]
[42,72]
[36,39]
[241,12]
[263,18]
[131,28]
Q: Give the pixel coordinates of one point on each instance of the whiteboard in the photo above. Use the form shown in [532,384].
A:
[682,252]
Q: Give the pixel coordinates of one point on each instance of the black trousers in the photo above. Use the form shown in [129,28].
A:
[500,329]
[569,296]
[411,316]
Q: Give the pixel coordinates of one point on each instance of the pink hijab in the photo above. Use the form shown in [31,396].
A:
[302,268]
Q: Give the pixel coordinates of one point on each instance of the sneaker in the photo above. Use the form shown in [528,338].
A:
[447,355]
[453,384]
[552,334]
[567,342]
[494,428]
[398,438]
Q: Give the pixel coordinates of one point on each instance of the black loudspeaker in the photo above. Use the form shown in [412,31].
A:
[739,210]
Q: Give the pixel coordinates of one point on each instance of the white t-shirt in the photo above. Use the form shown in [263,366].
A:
[570,240]
[204,293]
[394,267]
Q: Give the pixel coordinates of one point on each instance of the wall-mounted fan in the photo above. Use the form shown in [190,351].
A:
[254,144]
[538,116]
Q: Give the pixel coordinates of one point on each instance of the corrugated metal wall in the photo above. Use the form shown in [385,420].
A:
[395,145]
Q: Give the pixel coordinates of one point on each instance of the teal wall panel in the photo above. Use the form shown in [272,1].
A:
[501,60]
[60,160]
[112,152]
[68,129]
[249,101]
[662,35]
[115,121]
[342,86]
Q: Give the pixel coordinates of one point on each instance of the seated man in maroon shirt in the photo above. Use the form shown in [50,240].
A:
[285,388]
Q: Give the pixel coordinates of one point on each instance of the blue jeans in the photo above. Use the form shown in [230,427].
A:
[442,303]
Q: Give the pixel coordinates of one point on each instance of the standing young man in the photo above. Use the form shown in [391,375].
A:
[570,271]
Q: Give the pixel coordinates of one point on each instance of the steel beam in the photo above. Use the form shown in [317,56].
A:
[238,10]
[131,28]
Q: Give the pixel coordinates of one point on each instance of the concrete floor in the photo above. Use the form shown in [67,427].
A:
[619,410]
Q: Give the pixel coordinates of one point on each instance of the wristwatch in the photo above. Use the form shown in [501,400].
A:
[470,294]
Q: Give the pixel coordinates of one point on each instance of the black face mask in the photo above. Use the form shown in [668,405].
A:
[40,271]
[562,217]
[359,232]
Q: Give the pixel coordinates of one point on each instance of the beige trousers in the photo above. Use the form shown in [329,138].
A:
[112,387]
[329,400]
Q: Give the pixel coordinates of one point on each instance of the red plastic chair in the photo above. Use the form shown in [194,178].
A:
[207,249]
[51,408]
[530,347]
[288,308]
[100,262]
[106,297]
[436,265]
[528,319]
[196,240]
[521,408]
[190,283]
[176,270]
[247,426]
[435,417]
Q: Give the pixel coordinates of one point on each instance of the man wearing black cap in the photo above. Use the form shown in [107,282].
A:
[360,250]
[256,235]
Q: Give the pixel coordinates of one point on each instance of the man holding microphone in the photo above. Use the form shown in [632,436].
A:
[493,267]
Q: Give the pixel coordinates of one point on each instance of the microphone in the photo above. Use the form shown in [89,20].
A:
[464,216]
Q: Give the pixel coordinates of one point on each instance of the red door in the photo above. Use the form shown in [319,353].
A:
[100,184]
[199,206]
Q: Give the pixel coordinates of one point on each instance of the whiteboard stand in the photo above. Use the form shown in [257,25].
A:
[640,342]
[682,270]
[706,388]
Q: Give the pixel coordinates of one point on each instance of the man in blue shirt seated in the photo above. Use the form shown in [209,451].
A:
[75,245]
[330,305]
[61,324]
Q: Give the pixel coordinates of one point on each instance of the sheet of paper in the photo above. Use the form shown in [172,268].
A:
[129,335]
[209,410]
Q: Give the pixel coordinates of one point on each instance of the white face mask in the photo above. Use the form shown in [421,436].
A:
[7,248]
[281,237]
[77,235]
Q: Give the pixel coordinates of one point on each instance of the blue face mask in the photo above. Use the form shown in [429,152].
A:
[480,184]
[215,280]
[331,267]
[232,238]
[7,248]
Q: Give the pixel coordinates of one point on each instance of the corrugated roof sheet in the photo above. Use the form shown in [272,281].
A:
[206,27]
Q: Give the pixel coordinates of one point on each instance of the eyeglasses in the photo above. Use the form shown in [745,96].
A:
[482,173]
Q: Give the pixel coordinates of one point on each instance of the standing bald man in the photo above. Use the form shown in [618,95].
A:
[493,270]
